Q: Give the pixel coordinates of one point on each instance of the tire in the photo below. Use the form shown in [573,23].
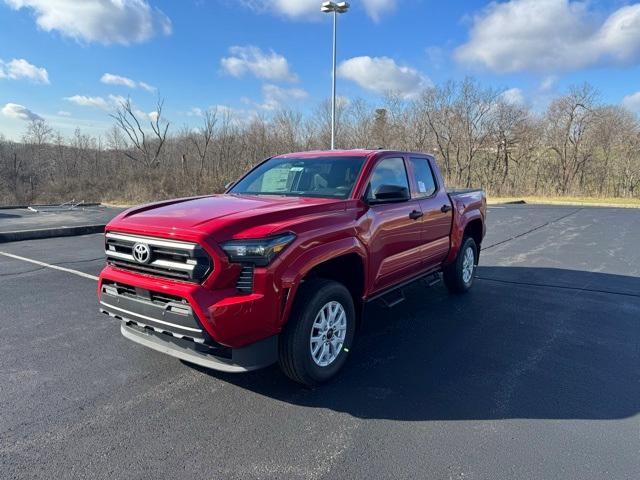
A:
[456,276]
[296,345]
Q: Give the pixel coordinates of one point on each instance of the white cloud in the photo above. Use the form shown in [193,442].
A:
[550,36]
[548,83]
[195,112]
[632,102]
[234,113]
[226,113]
[249,59]
[619,36]
[382,75]
[308,9]
[147,87]
[101,21]
[109,104]
[85,101]
[275,97]
[513,96]
[64,113]
[19,112]
[19,68]
[111,79]
[117,100]
[376,8]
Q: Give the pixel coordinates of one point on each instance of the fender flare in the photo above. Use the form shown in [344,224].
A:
[295,273]
[457,232]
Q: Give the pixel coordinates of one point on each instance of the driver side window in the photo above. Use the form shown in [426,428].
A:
[390,171]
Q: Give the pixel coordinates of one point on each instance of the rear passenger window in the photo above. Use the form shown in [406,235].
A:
[425,183]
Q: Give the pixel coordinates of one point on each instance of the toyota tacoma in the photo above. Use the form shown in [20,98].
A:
[280,267]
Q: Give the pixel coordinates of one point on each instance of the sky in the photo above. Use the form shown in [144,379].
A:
[71,62]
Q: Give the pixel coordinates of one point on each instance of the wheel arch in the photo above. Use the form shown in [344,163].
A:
[343,262]
[346,269]
[474,229]
[469,224]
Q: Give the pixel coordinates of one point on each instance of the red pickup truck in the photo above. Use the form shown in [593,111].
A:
[280,266]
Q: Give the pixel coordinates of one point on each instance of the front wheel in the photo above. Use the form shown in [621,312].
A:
[458,277]
[315,343]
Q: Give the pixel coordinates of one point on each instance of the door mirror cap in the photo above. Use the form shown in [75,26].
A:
[389,194]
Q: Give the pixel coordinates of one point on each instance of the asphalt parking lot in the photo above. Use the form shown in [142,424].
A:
[533,374]
[21,219]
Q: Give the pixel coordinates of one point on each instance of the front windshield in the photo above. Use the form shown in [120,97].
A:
[329,177]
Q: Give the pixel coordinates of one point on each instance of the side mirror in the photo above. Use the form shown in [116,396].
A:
[390,193]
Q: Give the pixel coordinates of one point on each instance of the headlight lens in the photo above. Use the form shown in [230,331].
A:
[260,251]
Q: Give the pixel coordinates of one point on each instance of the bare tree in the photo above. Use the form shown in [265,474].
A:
[569,120]
[201,138]
[144,150]
[38,132]
[577,146]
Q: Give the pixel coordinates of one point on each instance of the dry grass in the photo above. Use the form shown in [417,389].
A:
[587,201]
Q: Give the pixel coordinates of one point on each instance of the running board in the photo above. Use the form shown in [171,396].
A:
[432,280]
[393,298]
[395,295]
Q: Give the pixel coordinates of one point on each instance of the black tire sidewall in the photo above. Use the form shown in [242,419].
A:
[468,242]
[331,291]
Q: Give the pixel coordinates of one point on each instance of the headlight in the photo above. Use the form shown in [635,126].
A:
[259,251]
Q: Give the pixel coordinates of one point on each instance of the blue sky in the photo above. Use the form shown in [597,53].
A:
[71,61]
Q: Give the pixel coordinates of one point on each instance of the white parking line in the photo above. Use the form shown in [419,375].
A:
[47,265]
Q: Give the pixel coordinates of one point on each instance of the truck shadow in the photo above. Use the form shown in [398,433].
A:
[524,343]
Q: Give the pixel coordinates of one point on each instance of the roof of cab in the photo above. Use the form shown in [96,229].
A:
[360,152]
[357,152]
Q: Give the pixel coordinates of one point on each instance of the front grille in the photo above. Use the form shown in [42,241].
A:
[157,298]
[166,258]
[244,283]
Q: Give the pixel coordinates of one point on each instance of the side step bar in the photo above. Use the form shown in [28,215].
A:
[393,298]
[395,295]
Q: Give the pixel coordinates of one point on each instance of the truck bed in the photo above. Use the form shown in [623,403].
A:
[465,200]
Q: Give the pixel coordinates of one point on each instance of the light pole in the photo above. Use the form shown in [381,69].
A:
[335,8]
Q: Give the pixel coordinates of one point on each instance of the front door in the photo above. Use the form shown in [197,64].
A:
[394,228]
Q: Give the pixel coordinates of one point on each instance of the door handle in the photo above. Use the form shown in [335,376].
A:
[446,208]
[415,215]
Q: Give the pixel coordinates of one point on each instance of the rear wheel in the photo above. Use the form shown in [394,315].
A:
[315,343]
[458,277]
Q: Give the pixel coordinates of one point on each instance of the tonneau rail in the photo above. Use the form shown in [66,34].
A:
[460,191]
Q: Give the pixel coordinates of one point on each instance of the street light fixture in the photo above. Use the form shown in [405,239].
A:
[335,8]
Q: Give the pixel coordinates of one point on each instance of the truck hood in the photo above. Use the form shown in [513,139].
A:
[209,214]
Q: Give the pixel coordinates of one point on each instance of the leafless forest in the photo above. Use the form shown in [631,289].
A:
[578,146]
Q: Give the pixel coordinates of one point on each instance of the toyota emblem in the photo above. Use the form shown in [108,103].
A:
[141,253]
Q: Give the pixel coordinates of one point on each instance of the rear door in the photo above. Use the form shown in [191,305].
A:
[395,228]
[436,208]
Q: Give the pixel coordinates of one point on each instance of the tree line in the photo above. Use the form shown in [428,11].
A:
[577,146]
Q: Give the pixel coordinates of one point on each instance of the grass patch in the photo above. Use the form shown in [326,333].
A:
[590,201]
